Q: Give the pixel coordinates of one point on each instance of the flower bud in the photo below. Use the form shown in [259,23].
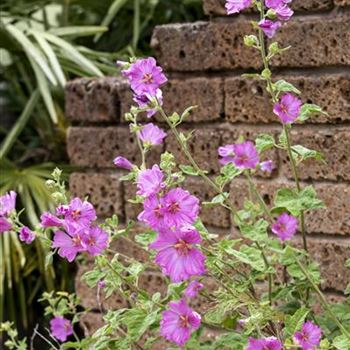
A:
[250,40]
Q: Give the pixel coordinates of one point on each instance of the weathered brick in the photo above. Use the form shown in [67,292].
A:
[204,46]
[334,219]
[342,2]
[91,322]
[104,191]
[217,7]
[334,143]
[178,94]
[95,99]
[98,146]
[203,146]
[319,41]
[246,100]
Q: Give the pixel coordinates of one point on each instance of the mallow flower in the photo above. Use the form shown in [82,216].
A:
[269,27]
[227,153]
[309,337]
[270,343]
[177,254]
[150,181]
[123,163]
[5,225]
[274,4]
[267,166]
[61,328]
[284,13]
[145,76]
[26,235]
[79,212]
[7,203]
[49,220]
[288,108]
[235,6]
[285,226]
[193,289]
[95,240]
[144,100]
[179,322]
[151,134]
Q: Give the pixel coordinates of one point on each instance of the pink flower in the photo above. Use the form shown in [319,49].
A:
[68,244]
[101,284]
[7,203]
[144,100]
[288,108]
[80,212]
[26,235]
[270,343]
[235,6]
[309,337]
[177,253]
[284,13]
[5,225]
[179,322]
[49,220]
[123,163]
[145,76]
[267,166]
[61,328]
[246,155]
[285,226]
[193,289]
[150,181]
[95,240]
[227,153]
[269,27]
[274,4]
[151,134]
[175,208]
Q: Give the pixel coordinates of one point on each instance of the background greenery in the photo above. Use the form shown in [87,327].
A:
[42,45]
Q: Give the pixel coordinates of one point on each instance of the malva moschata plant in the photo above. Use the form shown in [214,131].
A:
[265,288]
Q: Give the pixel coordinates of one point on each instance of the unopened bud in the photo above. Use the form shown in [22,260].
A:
[250,40]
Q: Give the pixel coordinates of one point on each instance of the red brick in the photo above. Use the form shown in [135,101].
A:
[334,143]
[333,220]
[319,41]
[98,146]
[204,46]
[104,191]
[217,7]
[246,100]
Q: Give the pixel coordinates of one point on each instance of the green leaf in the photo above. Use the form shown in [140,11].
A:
[264,142]
[308,109]
[218,199]
[294,323]
[251,256]
[301,153]
[188,169]
[341,342]
[256,231]
[283,86]
[78,31]
[146,238]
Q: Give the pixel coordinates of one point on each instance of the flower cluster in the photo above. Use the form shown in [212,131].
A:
[7,205]
[61,328]
[75,231]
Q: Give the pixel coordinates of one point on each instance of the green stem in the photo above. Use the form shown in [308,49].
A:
[322,299]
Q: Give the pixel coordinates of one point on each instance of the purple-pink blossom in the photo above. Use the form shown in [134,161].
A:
[7,203]
[144,100]
[285,226]
[79,212]
[227,153]
[123,163]
[310,336]
[61,328]
[176,208]
[269,27]
[288,108]
[267,166]
[284,13]
[177,253]
[49,220]
[179,322]
[151,134]
[145,76]
[274,4]
[150,181]
[270,343]
[193,289]
[235,6]
[5,225]
[26,235]
[243,155]
[95,240]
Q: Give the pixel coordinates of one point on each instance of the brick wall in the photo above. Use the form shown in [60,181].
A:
[205,61]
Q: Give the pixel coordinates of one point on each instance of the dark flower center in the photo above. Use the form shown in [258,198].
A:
[184,321]
[157,211]
[182,247]
[174,207]
[76,240]
[76,213]
[91,241]
[147,78]
[284,108]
